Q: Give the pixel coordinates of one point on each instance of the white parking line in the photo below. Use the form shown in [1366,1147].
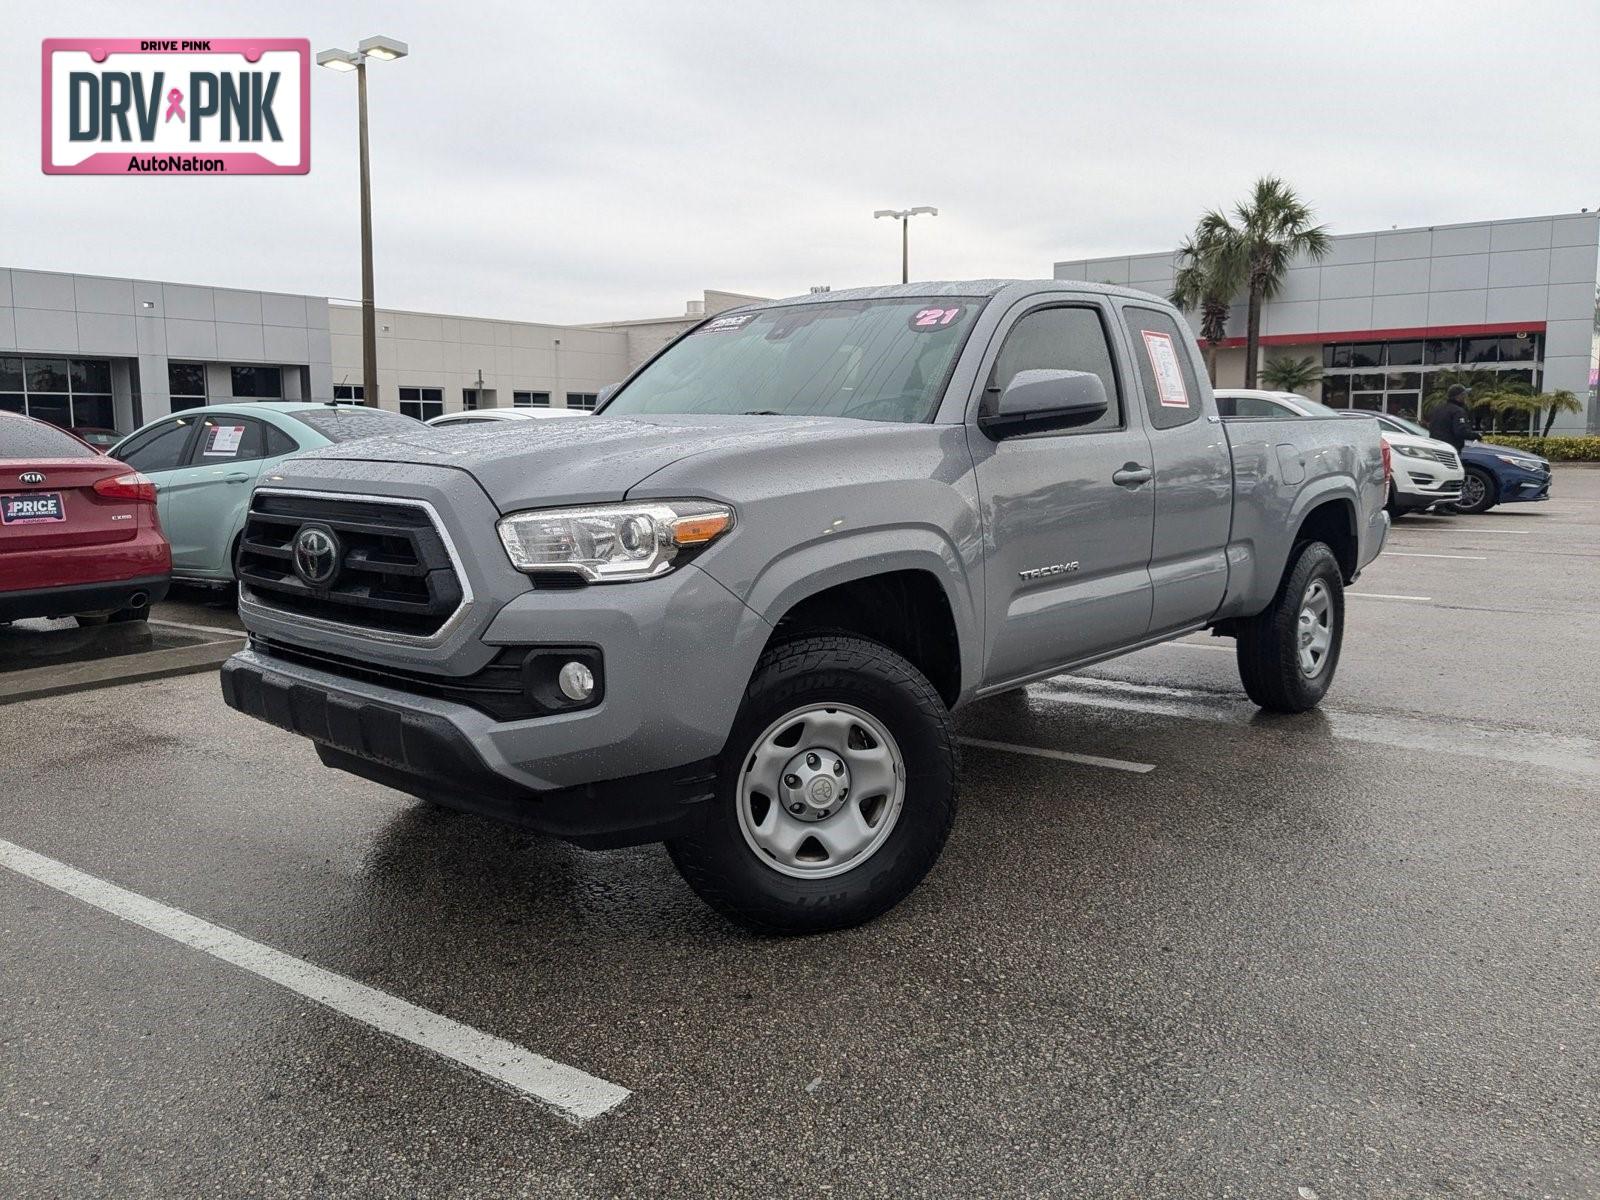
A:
[578,1096]
[1228,649]
[1414,554]
[1092,760]
[1467,531]
[1386,596]
[229,633]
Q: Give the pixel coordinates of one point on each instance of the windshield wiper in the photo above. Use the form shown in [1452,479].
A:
[762,412]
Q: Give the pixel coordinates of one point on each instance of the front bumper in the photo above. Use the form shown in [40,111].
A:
[1422,483]
[1518,486]
[416,745]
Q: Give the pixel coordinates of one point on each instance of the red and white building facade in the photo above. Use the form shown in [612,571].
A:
[1384,310]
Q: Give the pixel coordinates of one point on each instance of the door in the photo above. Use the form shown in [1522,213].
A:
[1067,546]
[1193,470]
[207,495]
[159,452]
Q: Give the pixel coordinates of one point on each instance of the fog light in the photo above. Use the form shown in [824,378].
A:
[576,680]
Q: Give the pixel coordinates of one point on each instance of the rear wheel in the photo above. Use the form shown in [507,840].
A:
[1478,492]
[1288,653]
[836,791]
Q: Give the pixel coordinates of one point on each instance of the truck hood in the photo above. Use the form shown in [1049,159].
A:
[536,464]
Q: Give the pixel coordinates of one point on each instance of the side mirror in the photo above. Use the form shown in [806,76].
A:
[1039,400]
[605,394]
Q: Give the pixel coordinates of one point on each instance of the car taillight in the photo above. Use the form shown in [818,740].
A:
[1388,462]
[132,486]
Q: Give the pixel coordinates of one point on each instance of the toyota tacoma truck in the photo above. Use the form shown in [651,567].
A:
[735,610]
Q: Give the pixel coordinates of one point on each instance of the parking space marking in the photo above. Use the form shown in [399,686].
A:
[1091,760]
[572,1093]
[1414,554]
[1386,596]
[228,633]
[1465,531]
[1574,755]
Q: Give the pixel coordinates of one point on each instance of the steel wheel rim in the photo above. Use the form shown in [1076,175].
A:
[1471,490]
[850,797]
[1314,628]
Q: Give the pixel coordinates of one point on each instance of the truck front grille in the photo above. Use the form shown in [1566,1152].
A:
[391,571]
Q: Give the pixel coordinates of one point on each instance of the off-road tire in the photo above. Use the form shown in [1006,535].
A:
[726,872]
[1268,643]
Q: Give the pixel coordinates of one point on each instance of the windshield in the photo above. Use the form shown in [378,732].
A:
[881,360]
[346,423]
[1405,426]
[1314,408]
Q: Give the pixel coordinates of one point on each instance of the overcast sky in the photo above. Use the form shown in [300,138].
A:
[583,160]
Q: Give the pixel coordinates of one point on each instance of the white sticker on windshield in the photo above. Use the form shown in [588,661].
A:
[222,441]
[727,324]
[1169,375]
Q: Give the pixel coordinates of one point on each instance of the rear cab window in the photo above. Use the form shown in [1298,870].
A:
[1166,366]
[23,437]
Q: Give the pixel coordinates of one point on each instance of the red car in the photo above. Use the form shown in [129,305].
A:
[78,530]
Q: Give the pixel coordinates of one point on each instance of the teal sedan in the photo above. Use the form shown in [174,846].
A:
[205,462]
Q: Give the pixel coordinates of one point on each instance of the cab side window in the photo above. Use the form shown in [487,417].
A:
[1059,339]
[159,449]
[1166,367]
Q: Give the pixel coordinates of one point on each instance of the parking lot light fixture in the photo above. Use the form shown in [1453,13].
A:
[904,215]
[384,49]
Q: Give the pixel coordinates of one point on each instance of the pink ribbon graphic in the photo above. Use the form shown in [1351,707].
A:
[175,106]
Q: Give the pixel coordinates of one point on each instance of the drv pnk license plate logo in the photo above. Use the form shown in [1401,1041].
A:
[170,106]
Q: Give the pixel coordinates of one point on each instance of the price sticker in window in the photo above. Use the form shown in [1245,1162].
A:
[222,441]
[1163,354]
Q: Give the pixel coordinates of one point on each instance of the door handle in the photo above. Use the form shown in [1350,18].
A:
[1131,475]
[237,477]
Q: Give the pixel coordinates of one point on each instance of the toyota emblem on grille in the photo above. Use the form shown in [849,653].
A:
[316,555]
[32,477]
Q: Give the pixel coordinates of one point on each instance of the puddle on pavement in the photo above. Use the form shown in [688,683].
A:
[54,642]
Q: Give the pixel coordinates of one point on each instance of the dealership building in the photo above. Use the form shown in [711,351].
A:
[1384,310]
[93,352]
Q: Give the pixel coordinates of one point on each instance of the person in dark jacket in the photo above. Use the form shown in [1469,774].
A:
[1449,422]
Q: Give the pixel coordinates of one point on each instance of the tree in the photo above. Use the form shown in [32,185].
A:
[1206,280]
[1481,385]
[1291,374]
[1558,402]
[1267,233]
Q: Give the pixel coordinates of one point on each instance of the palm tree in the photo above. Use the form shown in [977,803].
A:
[1559,402]
[1291,374]
[1481,386]
[1267,233]
[1206,281]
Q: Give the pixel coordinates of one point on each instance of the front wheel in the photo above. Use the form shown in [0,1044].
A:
[1478,492]
[1288,653]
[835,794]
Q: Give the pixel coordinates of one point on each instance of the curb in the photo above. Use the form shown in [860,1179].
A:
[37,682]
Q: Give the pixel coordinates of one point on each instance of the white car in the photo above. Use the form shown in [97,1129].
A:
[484,416]
[1425,472]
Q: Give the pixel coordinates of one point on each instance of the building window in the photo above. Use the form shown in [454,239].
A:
[186,383]
[349,393]
[422,403]
[73,393]
[530,399]
[257,383]
[469,399]
[1350,381]
[584,400]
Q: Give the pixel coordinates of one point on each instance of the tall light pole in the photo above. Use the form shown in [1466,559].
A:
[904,215]
[384,50]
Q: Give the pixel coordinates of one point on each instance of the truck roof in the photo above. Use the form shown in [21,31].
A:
[955,287]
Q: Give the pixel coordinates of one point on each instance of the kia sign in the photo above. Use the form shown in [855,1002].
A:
[208,106]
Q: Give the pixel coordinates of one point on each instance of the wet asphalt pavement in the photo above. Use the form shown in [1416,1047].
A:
[1353,952]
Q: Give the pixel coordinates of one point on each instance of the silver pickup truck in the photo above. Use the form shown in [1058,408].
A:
[735,610]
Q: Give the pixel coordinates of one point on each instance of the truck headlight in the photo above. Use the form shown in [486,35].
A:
[1523,464]
[610,543]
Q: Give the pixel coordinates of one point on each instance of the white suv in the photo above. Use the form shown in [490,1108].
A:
[1426,472]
